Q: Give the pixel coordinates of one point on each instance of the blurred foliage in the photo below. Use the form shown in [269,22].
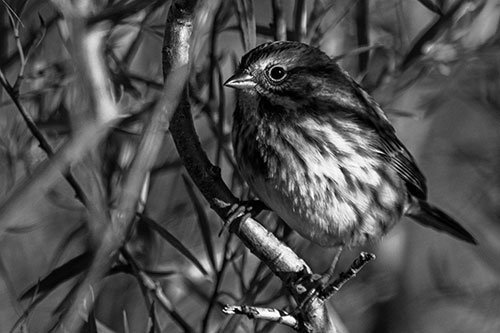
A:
[433,65]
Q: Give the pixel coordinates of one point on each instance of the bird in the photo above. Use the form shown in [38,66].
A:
[320,152]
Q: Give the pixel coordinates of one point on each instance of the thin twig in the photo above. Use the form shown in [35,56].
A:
[165,302]
[154,288]
[32,39]
[11,11]
[43,142]
[218,282]
[15,28]
[343,278]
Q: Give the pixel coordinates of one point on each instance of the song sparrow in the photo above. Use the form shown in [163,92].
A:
[321,153]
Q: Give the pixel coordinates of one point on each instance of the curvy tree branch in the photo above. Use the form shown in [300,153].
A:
[279,258]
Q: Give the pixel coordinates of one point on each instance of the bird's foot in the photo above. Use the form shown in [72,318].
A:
[308,287]
[243,210]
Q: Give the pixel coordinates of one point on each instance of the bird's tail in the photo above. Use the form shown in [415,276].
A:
[433,217]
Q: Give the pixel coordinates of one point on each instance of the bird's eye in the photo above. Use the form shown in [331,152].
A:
[277,73]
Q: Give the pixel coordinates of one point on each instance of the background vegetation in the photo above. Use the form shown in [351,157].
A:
[433,65]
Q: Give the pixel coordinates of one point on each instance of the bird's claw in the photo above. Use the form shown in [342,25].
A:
[242,210]
[312,285]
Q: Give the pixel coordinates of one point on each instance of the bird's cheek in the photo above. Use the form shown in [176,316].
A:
[260,90]
[247,94]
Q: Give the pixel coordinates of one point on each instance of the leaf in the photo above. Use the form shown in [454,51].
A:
[152,319]
[96,326]
[203,221]
[70,238]
[58,276]
[126,328]
[429,34]
[172,240]
[432,6]
[92,324]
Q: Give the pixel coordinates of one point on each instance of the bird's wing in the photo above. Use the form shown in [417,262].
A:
[394,151]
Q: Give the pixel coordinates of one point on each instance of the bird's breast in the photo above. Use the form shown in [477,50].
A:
[322,178]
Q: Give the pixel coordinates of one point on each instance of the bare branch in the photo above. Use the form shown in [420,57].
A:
[269,314]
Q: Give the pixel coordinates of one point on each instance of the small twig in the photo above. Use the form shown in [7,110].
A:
[344,277]
[11,12]
[218,283]
[15,28]
[30,40]
[155,289]
[253,312]
[435,28]
[13,92]
[43,142]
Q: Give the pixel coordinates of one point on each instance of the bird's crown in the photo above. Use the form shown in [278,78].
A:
[285,53]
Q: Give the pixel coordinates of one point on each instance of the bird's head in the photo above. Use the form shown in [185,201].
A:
[284,73]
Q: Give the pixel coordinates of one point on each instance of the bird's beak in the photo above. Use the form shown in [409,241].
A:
[241,81]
